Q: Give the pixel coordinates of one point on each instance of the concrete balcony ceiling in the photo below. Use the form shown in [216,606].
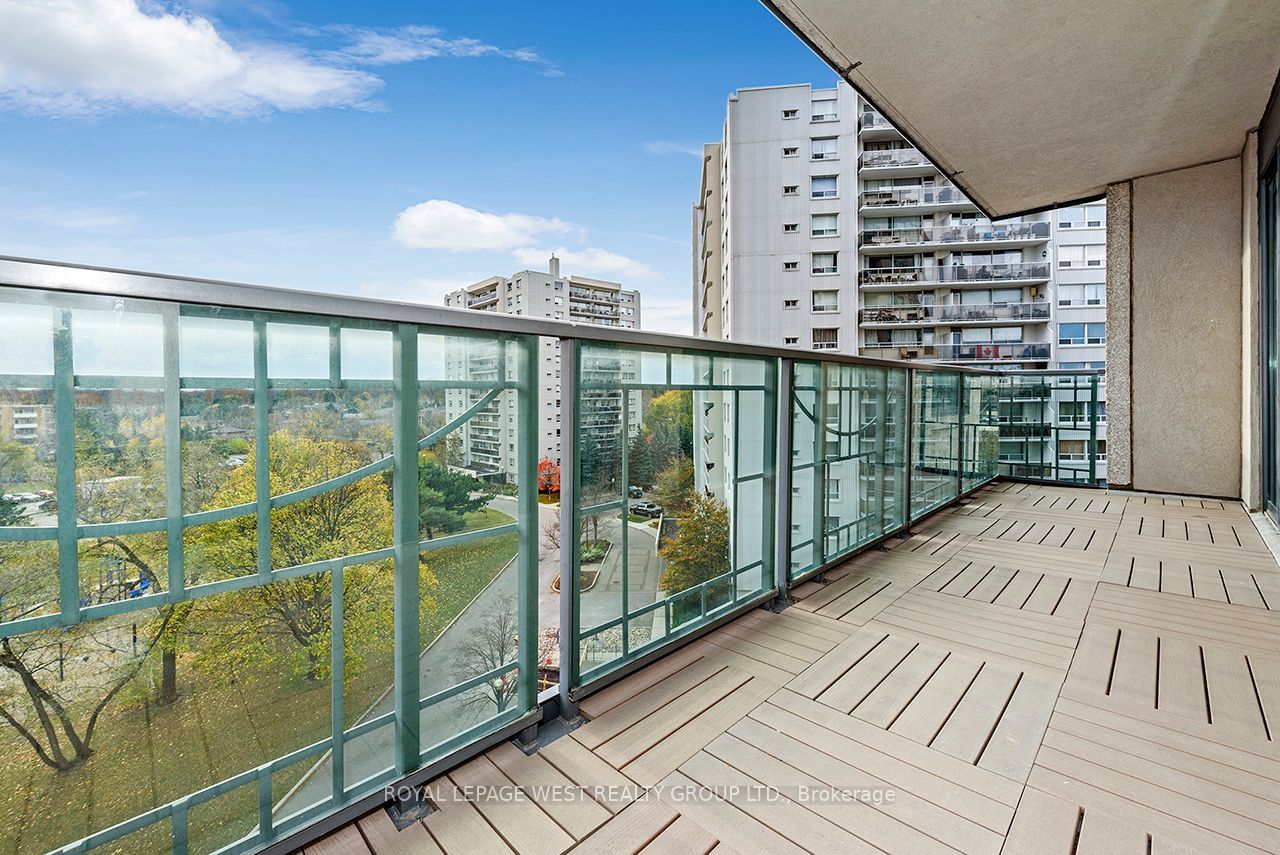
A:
[1031,105]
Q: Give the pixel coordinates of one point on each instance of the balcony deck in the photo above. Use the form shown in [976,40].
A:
[1042,669]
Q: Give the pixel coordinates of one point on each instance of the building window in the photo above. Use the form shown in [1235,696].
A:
[823,225]
[1082,295]
[790,151]
[1083,217]
[824,109]
[1071,256]
[1095,254]
[826,301]
[824,262]
[790,265]
[790,304]
[791,339]
[1072,449]
[823,187]
[790,189]
[788,228]
[1082,333]
[826,338]
[790,114]
[823,148]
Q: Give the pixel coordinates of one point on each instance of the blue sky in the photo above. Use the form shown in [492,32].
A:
[393,150]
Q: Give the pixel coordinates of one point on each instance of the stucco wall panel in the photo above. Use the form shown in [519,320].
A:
[1186,331]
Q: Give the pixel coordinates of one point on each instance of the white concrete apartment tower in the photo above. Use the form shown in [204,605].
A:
[489,438]
[819,226]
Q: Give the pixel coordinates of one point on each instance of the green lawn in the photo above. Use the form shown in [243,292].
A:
[146,756]
[485,518]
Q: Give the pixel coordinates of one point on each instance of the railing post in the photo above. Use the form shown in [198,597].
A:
[819,498]
[1093,429]
[528,516]
[64,399]
[405,524]
[569,478]
[907,452]
[337,679]
[782,502]
[960,454]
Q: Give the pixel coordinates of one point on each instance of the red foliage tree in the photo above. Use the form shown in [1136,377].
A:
[548,476]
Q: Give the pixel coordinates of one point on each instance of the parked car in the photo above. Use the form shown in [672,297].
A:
[647,509]
[635,492]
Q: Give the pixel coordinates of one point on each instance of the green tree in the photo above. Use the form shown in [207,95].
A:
[669,420]
[445,498]
[640,458]
[675,486]
[286,623]
[699,551]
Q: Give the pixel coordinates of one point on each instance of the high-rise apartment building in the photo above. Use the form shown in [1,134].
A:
[489,437]
[818,226]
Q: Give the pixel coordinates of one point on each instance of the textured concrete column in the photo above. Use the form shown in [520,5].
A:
[1251,330]
[1119,334]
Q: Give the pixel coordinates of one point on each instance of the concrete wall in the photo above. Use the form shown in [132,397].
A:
[1184,325]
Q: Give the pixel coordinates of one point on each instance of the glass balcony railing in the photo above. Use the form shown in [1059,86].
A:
[284,550]
[964,234]
[965,313]
[994,352]
[1051,426]
[905,314]
[953,274]
[873,121]
[983,312]
[898,157]
[944,194]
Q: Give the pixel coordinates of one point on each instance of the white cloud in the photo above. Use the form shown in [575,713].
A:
[73,218]
[665,315]
[440,224]
[370,46]
[81,56]
[590,261]
[668,147]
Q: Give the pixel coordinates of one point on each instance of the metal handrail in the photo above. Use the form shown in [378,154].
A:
[114,282]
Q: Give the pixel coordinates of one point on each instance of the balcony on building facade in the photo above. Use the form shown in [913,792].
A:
[482,299]
[898,162]
[940,197]
[953,275]
[955,237]
[1037,311]
[872,126]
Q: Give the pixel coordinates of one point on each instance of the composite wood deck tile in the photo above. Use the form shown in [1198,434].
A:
[1042,669]
[1173,573]
[1044,593]
[343,841]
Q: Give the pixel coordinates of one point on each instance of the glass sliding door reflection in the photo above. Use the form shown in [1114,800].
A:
[935,440]
[673,495]
[848,464]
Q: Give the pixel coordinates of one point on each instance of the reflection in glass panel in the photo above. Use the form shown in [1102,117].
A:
[935,440]
[366,354]
[27,333]
[848,483]
[117,343]
[298,351]
[468,482]
[675,496]
[215,347]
